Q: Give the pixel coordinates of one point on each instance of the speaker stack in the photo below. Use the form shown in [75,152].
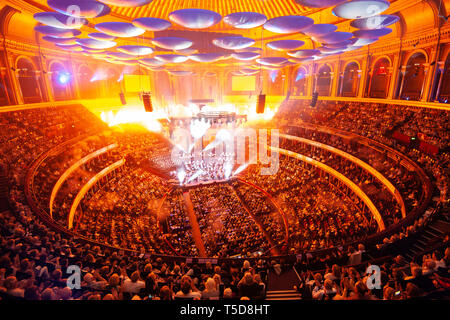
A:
[261,103]
[315,96]
[147,99]
[122,98]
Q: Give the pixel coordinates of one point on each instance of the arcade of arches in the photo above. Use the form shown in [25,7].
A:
[410,64]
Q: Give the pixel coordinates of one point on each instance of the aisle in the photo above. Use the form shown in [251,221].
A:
[196,234]
[274,250]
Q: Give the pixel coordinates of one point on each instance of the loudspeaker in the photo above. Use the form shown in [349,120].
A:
[122,98]
[314,99]
[147,99]
[260,106]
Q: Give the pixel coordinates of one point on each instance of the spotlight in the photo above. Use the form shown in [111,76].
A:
[63,78]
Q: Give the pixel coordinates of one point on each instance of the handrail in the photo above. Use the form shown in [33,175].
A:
[72,168]
[88,186]
[407,103]
[350,184]
[357,161]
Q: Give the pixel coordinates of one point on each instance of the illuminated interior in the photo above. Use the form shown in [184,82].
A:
[248,149]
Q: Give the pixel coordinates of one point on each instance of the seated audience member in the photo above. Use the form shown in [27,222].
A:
[188,290]
[211,291]
[133,284]
[248,287]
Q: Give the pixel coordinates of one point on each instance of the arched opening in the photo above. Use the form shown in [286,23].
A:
[60,80]
[4,89]
[350,80]
[88,89]
[300,82]
[444,86]
[324,81]
[28,82]
[381,78]
[414,78]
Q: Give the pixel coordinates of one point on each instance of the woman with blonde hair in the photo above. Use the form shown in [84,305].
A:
[211,292]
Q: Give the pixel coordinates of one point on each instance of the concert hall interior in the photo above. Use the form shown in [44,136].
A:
[224,150]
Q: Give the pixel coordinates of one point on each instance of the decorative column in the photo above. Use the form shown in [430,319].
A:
[369,88]
[6,84]
[341,83]
[441,68]
[425,89]
[46,92]
[358,85]
[330,89]
[388,82]
[403,73]
[309,82]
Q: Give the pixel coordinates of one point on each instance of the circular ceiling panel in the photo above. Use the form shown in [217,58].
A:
[301,60]
[206,57]
[233,42]
[317,30]
[359,9]
[187,51]
[285,45]
[351,48]
[80,8]
[249,71]
[92,50]
[171,58]
[327,50]
[319,3]
[371,34]
[245,56]
[127,3]
[334,37]
[120,56]
[119,29]
[195,18]
[172,43]
[152,24]
[376,22]
[152,62]
[101,36]
[57,32]
[272,61]
[364,42]
[288,24]
[341,44]
[304,53]
[245,20]
[135,50]
[96,44]
[249,49]
[59,20]
[60,40]
[180,73]
[70,47]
